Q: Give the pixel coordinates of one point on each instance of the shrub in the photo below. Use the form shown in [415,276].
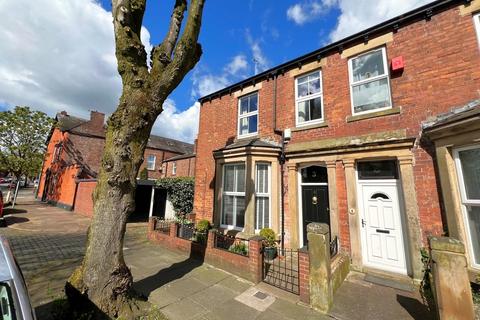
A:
[270,237]
[203,225]
[180,193]
[239,248]
[143,175]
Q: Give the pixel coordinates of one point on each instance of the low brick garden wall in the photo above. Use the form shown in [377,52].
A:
[248,267]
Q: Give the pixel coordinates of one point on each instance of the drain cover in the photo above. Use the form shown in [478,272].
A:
[260,295]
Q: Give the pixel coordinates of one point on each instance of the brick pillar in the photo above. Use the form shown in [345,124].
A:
[255,258]
[321,291]
[212,233]
[151,224]
[173,229]
[451,284]
[304,275]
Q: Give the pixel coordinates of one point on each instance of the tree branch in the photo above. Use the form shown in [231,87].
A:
[129,50]
[165,50]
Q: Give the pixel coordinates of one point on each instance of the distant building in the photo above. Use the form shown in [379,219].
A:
[73,157]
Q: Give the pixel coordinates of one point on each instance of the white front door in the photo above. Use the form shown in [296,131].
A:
[381,226]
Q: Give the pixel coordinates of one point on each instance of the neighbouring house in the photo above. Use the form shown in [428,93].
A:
[179,166]
[367,134]
[73,158]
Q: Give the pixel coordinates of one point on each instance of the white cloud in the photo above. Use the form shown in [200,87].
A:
[205,82]
[181,125]
[357,15]
[238,63]
[60,55]
[307,11]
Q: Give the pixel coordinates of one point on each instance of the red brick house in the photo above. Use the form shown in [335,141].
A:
[179,166]
[336,136]
[73,157]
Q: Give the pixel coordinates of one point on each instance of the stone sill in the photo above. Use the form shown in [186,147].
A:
[323,124]
[396,110]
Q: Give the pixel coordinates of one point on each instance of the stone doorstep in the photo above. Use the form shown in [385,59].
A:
[392,280]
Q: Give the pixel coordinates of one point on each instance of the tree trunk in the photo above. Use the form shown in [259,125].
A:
[104,276]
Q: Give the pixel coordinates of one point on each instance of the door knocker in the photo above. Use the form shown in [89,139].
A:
[314,200]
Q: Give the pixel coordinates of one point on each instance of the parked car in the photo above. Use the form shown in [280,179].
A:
[14,298]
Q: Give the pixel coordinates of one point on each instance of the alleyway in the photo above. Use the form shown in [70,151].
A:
[49,243]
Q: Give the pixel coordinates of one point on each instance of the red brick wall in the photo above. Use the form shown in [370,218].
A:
[185,168]
[441,71]
[83,200]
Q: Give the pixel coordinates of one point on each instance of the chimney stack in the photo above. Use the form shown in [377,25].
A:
[97,119]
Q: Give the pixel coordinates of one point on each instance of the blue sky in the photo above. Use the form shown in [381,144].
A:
[64,58]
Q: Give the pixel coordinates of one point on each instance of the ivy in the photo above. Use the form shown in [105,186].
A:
[180,193]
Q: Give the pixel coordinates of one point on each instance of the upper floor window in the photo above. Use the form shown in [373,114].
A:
[233,196]
[151,162]
[309,98]
[174,167]
[248,115]
[476,21]
[369,82]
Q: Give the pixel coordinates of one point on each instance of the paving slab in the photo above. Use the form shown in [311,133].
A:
[232,310]
[184,309]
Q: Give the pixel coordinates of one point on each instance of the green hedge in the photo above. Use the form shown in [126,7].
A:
[180,193]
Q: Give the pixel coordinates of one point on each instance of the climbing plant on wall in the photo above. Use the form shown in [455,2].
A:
[180,193]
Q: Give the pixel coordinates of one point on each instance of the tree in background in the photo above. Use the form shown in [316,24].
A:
[103,277]
[23,136]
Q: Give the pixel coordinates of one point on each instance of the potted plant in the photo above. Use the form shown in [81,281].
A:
[270,243]
[202,229]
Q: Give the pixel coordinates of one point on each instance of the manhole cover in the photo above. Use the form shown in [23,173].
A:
[260,295]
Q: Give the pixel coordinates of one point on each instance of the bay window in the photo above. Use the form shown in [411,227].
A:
[369,82]
[309,98]
[262,196]
[248,115]
[468,169]
[233,196]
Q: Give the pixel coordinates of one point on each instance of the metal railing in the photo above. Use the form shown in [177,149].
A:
[188,231]
[163,226]
[280,268]
[231,244]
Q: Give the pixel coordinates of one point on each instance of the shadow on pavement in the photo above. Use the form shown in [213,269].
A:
[176,271]
[15,220]
[415,308]
[13,211]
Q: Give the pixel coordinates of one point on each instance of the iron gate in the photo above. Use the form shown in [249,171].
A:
[281,269]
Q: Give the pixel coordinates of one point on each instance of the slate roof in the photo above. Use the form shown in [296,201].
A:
[457,113]
[255,142]
[180,157]
[74,125]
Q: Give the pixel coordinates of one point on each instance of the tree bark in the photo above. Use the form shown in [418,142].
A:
[103,276]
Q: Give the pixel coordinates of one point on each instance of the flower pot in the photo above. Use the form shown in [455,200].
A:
[270,253]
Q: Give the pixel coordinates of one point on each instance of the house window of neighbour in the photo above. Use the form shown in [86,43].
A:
[309,99]
[248,115]
[262,196]
[57,152]
[476,21]
[174,167]
[233,196]
[468,168]
[369,82]
[151,162]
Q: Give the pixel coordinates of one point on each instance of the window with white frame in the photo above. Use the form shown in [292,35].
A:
[248,115]
[309,99]
[151,162]
[468,169]
[369,82]
[174,167]
[476,21]
[233,196]
[262,196]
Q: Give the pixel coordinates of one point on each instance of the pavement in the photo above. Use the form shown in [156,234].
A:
[49,243]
